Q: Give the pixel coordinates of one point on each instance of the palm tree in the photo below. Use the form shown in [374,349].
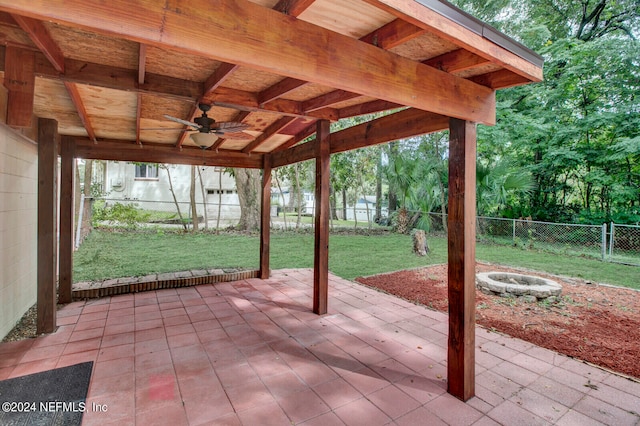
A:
[401,175]
[496,183]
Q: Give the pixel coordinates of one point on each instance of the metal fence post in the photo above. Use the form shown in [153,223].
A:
[611,240]
[604,241]
[513,221]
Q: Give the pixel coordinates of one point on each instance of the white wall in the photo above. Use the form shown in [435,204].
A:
[18,226]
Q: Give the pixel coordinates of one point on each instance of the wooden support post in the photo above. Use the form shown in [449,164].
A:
[47,236]
[20,80]
[67,172]
[321,255]
[265,217]
[462,252]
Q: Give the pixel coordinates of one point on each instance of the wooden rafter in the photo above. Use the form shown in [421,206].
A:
[240,116]
[301,135]
[458,60]
[41,38]
[328,99]
[279,89]
[393,34]
[72,88]
[271,130]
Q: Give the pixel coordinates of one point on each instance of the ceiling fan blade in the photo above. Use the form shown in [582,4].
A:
[166,128]
[181,121]
[229,127]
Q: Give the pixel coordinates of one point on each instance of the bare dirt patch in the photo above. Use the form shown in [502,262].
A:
[595,323]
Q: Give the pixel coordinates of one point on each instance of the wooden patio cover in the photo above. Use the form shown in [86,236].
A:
[100,73]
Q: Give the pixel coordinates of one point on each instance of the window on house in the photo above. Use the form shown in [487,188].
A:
[146,171]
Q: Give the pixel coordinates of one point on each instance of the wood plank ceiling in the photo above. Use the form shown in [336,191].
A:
[109,71]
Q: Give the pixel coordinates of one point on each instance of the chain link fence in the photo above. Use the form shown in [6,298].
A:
[624,244]
[615,243]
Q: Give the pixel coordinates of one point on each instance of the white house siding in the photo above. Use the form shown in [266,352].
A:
[155,193]
[18,226]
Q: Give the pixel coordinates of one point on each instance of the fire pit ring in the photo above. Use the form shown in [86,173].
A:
[517,285]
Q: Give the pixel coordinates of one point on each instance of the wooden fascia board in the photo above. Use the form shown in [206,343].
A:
[251,35]
[403,124]
[127,151]
[424,17]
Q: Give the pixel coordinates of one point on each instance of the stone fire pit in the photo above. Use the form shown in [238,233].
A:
[517,285]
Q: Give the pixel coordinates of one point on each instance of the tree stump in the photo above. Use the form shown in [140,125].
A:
[420,246]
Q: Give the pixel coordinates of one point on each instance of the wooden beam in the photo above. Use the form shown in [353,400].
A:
[271,130]
[321,253]
[40,36]
[72,88]
[350,65]
[67,173]
[47,232]
[265,218]
[429,19]
[293,7]
[393,34]
[403,124]
[126,151]
[138,117]
[461,223]
[19,79]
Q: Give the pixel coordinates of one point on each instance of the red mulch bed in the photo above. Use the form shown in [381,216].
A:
[595,323]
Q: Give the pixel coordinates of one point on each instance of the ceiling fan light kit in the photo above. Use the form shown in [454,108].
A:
[204,140]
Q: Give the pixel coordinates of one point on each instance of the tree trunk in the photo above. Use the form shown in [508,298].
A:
[173,194]
[219,201]
[284,210]
[204,200]
[298,195]
[249,189]
[85,226]
[192,200]
[344,204]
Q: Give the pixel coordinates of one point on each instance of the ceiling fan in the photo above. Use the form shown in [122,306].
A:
[208,130]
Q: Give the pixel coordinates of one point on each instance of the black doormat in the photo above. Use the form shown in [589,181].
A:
[54,397]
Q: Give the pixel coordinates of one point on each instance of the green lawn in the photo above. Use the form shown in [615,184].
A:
[109,255]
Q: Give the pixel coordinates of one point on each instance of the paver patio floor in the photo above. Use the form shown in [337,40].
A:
[251,352]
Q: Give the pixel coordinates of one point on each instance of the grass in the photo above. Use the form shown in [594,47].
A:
[114,254]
